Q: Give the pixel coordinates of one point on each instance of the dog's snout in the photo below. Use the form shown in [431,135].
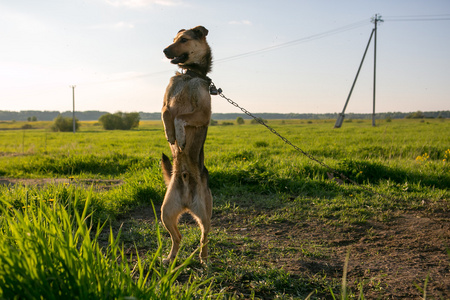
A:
[168,52]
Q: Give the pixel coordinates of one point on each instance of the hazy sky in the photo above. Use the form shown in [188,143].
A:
[112,51]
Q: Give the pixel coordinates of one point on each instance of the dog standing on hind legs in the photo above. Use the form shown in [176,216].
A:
[186,114]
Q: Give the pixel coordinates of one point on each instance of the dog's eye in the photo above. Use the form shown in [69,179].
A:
[183,40]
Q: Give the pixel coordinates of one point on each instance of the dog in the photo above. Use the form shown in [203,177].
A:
[186,114]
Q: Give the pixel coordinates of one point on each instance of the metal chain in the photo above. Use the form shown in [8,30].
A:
[260,121]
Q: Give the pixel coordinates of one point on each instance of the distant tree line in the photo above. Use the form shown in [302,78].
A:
[33,115]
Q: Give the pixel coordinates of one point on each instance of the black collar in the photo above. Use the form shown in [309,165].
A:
[195,74]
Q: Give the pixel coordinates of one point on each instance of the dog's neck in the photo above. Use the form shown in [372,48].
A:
[202,68]
[197,75]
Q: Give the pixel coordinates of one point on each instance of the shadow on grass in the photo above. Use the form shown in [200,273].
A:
[265,182]
[310,180]
[373,172]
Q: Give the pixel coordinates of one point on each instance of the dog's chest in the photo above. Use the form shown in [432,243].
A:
[185,95]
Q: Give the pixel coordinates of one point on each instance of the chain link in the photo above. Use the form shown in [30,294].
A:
[261,121]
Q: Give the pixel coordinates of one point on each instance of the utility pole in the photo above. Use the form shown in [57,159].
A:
[341,116]
[375,21]
[73,110]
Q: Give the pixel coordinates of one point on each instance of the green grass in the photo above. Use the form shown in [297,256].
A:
[252,173]
[50,251]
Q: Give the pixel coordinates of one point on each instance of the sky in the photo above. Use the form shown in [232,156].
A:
[269,56]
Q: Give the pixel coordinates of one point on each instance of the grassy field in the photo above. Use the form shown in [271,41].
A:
[282,226]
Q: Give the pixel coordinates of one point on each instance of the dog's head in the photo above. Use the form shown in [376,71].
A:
[189,47]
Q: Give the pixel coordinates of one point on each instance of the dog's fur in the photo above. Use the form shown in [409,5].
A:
[186,114]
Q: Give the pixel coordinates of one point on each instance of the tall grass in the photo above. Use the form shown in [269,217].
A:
[51,251]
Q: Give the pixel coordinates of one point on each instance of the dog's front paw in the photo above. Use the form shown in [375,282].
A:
[181,145]
[170,137]
[171,140]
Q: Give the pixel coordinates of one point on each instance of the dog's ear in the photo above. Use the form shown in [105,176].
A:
[181,30]
[200,31]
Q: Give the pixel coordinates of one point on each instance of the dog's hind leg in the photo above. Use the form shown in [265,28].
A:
[202,214]
[204,239]
[170,211]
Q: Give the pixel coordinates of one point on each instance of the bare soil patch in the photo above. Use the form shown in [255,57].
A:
[390,260]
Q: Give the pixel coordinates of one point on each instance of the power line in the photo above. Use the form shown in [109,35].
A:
[443,17]
[295,42]
[420,16]
[411,20]
[128,78]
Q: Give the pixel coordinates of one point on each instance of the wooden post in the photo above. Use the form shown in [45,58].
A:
[73,110]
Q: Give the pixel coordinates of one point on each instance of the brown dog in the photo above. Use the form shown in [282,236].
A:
[186,114]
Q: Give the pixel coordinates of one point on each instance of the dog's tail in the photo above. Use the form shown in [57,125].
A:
[166,169]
